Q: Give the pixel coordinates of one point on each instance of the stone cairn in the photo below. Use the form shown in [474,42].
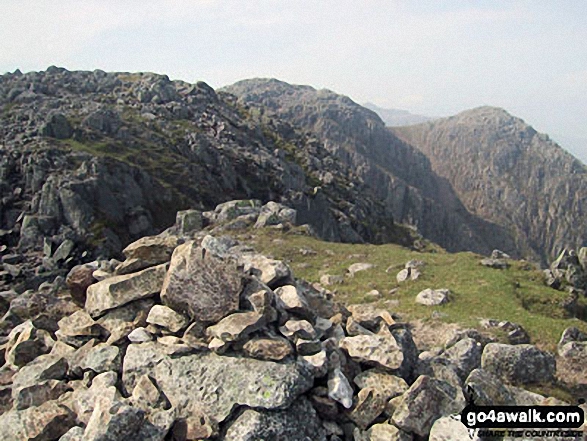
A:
[197,337]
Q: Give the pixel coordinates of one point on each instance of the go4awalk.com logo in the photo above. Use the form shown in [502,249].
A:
[561,421]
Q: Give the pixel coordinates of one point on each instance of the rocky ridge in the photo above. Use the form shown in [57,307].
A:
[91,161]
[507,173]
[399,174]
[197,336]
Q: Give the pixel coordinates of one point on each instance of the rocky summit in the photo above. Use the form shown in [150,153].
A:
[206,339]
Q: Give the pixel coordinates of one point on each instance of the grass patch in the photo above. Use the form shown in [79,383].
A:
[516,294]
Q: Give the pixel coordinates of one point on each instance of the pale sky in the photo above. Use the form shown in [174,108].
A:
[430,57]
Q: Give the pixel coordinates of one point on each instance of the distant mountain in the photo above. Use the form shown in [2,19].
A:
[509,174]
[396,117]
[577,146]
[400,175]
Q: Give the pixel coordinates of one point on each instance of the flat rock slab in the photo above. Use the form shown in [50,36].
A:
[214,383]
[200,285]
[116,291]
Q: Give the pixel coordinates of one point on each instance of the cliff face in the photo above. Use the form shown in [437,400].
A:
[505,172]
[104,158]
[400,175]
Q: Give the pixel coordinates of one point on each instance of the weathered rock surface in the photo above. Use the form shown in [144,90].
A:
[120,290]
[200,285]
[433,297]
[520,364]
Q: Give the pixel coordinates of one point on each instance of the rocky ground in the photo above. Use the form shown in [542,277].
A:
[196,336]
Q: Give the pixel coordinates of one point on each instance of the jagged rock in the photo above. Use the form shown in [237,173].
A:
[424,402]
[370,316]
[377,350]
[339,388]
[112,420]
[145,393]
[218,246]
[272,272]
[37,394]
[216,382]
[357,267]
[573,343]
[308,347]
[520,364]
[196,426]
[57,126]
[102,358]
[44,367]
[316,363]
[121,321]
[433,297]
[389,386]
[78,280]
[465,355]
[46,422]
[147,251]
[236,326]
[297,423]
[119,290]
[294,328]
[294,301]
[487,389]
[79,324]
[273,213]
[369,405]
[140,335]
[274,349]
[25,343]
[217,284]
[450,429]
[167,318]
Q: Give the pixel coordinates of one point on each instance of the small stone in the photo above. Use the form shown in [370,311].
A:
[317,363]
[308,347]
[294,328]
[370,404]
[274,349]
[236,326]
[377,350]
[140,335]
[358,267]
[339,389]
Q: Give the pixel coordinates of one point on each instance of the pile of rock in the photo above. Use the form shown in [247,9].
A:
[568,270]
[206,339]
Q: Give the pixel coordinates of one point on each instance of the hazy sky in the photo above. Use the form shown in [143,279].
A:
[430,57]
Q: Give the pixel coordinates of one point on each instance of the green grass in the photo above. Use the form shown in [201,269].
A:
[516,294]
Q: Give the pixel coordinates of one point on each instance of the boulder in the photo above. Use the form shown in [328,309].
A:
[424,402]
[433,297]
[520,364]
[370,403]
[46,422]
[449,428]
[25,343]
[273,273]
[117,291]
[297,423]
[78,280]
[370,316]
[375,350]
[389,386]
[501,264]
[358,267]
[200,285]
[112,420]
[293,301]
[487,390]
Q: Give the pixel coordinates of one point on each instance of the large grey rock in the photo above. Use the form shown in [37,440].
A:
[433,297]
[465,355]
[375,350]
[216,384]
[488,390]
[424,402]
[200,285]
[519,364]
[120,290]
[297,423]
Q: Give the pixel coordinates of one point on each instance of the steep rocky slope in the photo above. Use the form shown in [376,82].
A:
[103,158]
[400,175]
[506,172]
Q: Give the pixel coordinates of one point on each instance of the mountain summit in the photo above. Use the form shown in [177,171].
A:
[507,173]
